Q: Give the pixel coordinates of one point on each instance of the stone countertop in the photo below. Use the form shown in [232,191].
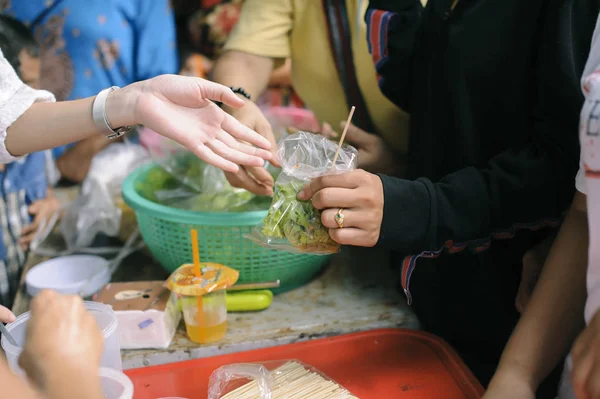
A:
[357,292]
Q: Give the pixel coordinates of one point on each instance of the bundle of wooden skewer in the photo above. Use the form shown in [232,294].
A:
[293,381]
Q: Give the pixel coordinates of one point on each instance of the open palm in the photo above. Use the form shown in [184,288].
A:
[181,109]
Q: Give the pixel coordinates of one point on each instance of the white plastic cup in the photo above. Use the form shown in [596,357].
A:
[106,320]
[115,385]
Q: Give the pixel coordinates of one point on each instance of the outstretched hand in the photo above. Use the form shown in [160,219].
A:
[180,108]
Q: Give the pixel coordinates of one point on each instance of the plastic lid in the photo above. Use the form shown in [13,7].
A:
[74,274]
[213,277]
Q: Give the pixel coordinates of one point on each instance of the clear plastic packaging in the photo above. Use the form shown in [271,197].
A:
[186,182]
[182,164]
[293,225]
[95,210]
[273,380]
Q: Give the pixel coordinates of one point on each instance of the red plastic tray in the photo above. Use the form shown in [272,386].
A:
[390,363]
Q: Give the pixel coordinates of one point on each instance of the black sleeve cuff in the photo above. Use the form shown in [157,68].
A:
[406,215]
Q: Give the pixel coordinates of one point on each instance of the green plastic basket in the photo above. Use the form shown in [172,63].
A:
[166,232]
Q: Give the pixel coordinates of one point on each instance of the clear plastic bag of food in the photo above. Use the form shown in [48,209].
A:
[273,380]
[293,225]
[186,182]
[182,164]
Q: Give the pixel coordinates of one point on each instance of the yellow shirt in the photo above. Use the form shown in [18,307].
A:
[297,29]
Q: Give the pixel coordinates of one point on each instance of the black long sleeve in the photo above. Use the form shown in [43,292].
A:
[525,186]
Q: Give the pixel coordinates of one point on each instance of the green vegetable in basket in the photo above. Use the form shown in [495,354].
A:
[156,179]
[161,186]
[223,201]
[299,222]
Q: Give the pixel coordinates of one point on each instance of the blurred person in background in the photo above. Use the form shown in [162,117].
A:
[89,45]
[203,27]
[25,198]
[331,71]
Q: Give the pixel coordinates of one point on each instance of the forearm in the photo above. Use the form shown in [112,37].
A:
[75,163]
[282,76]
[48,125]
[239,69]
[554,316]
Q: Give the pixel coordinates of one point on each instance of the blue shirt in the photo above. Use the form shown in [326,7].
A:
[89,45]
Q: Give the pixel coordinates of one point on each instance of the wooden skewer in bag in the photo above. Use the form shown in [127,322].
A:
[337,153]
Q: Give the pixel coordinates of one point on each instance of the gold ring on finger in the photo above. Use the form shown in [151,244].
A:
[339,218]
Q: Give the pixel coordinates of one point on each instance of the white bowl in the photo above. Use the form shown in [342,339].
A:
[76,274]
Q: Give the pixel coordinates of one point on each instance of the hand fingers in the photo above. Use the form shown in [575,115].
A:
[522,298]
[234,155]
[211,158]
[593,385]
[580,348]
[357,136]
[328,131]
[262,138]
[261,175]
[266,130]
[335,198]
[581,375]
[583,362]
[218,92]
[32,228]
[34,208]
[352,218]
[258,153]
[24,242]
[241,179]
[342,181]
[43,299]
[352,236]
[6,316]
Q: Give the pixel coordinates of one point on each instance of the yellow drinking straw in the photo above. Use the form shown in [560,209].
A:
[197,272]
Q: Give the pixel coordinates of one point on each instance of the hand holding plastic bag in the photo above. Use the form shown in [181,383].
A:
[293,225]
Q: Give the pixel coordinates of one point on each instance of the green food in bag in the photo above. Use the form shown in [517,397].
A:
[293,225]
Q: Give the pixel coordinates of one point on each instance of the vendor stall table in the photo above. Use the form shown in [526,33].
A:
[357,292]
[387,363]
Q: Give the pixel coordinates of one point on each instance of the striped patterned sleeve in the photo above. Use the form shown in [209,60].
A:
[392,28]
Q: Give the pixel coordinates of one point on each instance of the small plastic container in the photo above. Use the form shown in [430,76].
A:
[107,322]
[209,325]
[115,385]
[75,274]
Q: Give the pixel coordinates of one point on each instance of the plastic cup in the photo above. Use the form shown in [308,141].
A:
[115,385]
[106,320]
[210,323]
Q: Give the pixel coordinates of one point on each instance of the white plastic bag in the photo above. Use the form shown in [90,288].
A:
[94,211]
